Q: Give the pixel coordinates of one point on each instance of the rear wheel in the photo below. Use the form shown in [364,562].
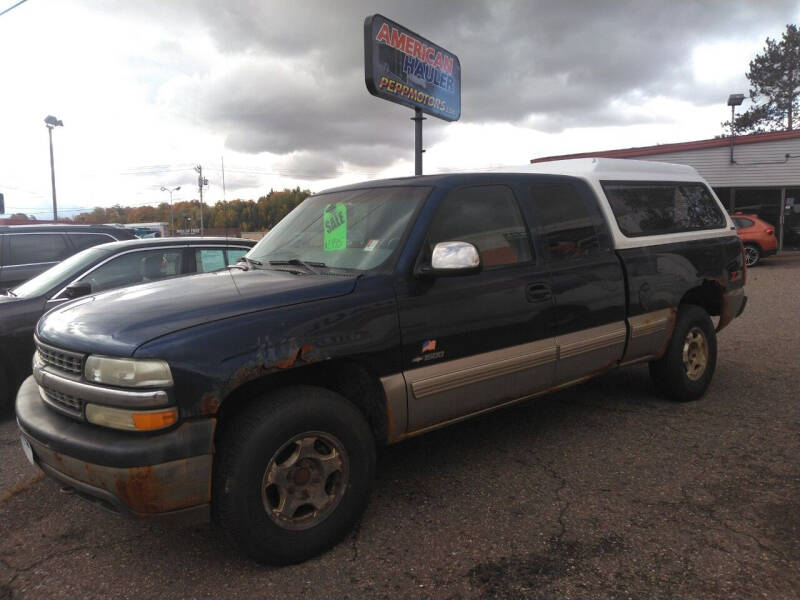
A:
[5,391]
[752,254]
[687,367]
[293,473]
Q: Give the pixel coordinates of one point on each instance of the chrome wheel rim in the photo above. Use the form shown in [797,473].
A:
[695,353]
[305,480]
[750,255]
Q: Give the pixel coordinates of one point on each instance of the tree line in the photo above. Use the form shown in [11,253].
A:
[247,215]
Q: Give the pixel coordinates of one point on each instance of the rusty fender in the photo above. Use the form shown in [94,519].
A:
[262,365]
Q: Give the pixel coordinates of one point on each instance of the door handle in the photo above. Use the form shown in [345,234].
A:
[538,292]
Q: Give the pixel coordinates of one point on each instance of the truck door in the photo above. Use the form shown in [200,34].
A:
[587,278]
[475,341]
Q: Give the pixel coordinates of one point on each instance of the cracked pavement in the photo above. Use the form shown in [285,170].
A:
[604,490]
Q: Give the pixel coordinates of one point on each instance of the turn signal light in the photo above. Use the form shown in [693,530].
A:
[133,420]
[154,420]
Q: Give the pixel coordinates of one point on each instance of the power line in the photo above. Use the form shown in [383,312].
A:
[12,7]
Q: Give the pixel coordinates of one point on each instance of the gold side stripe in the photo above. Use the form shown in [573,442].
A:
[443,383]
[592,344]
[441,377]
[653,322]
[654,327]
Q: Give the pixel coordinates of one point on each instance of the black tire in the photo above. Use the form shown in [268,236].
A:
[677,373]
[256,444]
[752,255]
[5,392]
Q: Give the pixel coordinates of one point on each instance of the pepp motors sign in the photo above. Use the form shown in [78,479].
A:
[403,67]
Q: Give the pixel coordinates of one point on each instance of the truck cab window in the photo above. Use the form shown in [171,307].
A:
[487,217]
[567,221]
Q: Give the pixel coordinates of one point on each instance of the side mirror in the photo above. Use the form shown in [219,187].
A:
[450,259]
[78,289]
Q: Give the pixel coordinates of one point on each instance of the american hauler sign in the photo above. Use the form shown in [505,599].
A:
[404,67]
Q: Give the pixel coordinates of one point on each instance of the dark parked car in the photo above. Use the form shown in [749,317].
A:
[27,250]
[370,314]
[94,270]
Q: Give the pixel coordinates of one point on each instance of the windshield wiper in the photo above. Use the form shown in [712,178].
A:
[296,262]
[10,293]
[247,262]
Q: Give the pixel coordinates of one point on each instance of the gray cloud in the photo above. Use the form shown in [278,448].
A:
[293,82]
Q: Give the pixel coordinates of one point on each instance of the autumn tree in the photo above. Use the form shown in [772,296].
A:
[774,78]
[247,215]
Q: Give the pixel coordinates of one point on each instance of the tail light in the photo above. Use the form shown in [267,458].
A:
[770,231]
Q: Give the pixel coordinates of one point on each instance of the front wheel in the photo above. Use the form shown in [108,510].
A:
[6,401]
[293,473]
[687,367]
[752,255]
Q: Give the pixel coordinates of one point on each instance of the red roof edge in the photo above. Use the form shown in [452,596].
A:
[754,138]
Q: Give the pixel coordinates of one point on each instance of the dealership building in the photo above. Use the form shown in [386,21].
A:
[759,174]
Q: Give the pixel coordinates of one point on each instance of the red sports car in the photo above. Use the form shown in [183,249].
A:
[758,237]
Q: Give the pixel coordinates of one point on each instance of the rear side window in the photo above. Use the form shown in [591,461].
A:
[662,207]
[82,241]
[566,220]
[742,223]
[486,216]
[31,248]
[209,259]
[235,254]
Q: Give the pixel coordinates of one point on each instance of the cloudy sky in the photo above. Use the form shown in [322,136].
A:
[150,88]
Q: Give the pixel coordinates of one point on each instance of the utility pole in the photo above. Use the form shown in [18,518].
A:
[223,178]
[201,181]
[51,122]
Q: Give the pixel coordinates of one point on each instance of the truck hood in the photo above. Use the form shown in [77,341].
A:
[118,322]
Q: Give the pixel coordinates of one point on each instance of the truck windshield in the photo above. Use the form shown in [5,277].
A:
[354,229]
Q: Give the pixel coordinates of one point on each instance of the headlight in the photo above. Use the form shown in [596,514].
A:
[127,372]
[134,420]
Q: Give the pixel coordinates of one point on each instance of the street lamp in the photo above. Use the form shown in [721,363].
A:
[165,189]
[50,121]
[734,100]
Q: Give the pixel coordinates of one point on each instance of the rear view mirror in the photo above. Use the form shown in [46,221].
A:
[78,289]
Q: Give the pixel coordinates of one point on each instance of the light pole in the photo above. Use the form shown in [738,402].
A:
[175,189]
[734,100]
[50,121]
[201,181]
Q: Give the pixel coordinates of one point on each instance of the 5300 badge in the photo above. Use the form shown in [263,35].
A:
[429,352]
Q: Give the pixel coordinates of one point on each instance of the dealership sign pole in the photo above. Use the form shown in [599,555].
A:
[403,67]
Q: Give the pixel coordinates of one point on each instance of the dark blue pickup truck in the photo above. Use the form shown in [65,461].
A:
[370,314]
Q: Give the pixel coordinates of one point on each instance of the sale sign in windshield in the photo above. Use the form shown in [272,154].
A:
[404,67]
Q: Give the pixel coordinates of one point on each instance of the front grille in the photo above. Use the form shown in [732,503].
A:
[63,360]
[64,402]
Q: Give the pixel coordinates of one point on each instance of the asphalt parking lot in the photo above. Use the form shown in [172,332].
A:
[604,490]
